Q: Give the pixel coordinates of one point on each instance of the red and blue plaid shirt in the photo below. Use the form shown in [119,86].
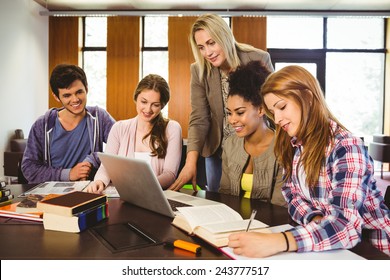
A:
[345,195]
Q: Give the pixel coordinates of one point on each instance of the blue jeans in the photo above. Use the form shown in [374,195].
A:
[213,172]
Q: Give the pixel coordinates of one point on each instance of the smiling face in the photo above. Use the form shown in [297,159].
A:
[210,49]
[73,98]
[286,111]
[243,116]
[148,105]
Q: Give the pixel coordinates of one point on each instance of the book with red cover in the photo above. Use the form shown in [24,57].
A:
[71,203]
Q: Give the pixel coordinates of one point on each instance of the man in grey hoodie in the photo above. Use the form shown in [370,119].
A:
[63,143]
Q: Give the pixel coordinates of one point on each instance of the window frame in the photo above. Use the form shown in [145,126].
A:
[318,56]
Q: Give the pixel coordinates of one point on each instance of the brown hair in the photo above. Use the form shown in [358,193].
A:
[314,132]
[158,139]
[63,75]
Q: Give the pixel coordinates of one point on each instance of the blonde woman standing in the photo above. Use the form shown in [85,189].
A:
[216,54]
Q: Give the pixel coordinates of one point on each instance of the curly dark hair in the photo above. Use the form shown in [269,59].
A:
[246,82]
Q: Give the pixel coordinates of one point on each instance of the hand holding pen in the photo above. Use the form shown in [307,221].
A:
[251,218]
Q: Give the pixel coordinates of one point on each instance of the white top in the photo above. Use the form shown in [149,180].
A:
[145,156]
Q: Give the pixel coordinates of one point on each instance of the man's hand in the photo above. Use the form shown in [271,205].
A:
[80,172]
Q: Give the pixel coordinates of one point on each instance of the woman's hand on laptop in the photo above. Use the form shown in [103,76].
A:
[95,187]
[188,173]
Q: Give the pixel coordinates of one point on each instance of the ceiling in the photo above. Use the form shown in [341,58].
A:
[140,7]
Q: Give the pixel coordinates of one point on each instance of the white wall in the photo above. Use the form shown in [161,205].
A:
[23,68]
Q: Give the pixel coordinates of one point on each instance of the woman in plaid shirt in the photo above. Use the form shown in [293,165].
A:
[329,176]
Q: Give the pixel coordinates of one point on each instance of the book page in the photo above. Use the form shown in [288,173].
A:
[111,191]
[233,226]
[209,214]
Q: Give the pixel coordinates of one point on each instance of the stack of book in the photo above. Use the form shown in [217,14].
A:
[73,212]
[5,194]
[25,209]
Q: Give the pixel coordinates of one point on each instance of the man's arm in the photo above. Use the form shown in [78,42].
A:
[35,167]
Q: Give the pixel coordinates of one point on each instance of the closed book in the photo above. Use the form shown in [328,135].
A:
[71,203]
[5,192]
[29,203]
[5,203]
[214,223]
[76,223]
[9,211]
[6,198]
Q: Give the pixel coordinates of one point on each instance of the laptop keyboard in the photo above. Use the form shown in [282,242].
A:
[175,204]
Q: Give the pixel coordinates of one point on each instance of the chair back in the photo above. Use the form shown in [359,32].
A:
[387,197]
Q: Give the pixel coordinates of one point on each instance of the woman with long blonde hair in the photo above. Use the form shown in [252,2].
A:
[216,54]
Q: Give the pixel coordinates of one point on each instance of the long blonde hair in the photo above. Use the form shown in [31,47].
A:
[314,132]
[221,33]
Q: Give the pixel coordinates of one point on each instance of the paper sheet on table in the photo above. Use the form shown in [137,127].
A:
[325,255]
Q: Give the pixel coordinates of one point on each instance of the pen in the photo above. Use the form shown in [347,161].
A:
[185,245]
[251,218]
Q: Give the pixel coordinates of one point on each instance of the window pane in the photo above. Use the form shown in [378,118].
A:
[227,20]
[355,90]
[156,31]
[294,32]
[311,67]
[95,32]
[95,68]
[156,62]
[355,33]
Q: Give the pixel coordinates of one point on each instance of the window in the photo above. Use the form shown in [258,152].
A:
[347,55]
[295,32]
[94,59]
[155,48]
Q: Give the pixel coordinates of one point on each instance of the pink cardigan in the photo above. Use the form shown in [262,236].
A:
[121,141]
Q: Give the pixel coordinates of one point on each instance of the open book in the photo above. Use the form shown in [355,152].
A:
[214,223]
[54,187]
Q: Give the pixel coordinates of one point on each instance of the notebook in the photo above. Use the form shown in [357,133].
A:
[137,184]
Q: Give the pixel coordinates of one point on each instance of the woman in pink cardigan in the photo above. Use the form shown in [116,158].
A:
[148,136]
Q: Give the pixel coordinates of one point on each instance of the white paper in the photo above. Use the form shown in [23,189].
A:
[110,191]
[325,255]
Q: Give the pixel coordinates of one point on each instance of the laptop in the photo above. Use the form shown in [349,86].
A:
[137,184]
